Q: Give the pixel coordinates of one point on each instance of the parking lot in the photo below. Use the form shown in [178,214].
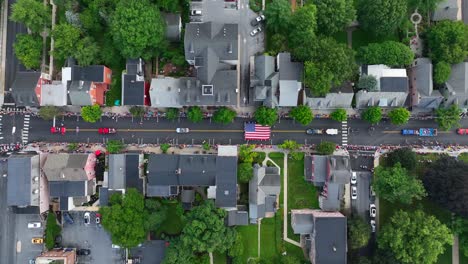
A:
[92,237]
[362,163]
[25,249]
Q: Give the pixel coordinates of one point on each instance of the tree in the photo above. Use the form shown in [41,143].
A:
[237,248]
[224,115]
[277,43]
[246,153]
[86,51]
[399,116]
[172,113]
[52,230]
[290,145]
[395,185]
[91,113]
[32,13]
[137,28]
[125,218]
[302,114]
[165,147]
[381,17]
[448,41]
[195,114]
[359,232]
[205,230]
[318,80]
[423,6]
[266,116]
[28,50]
[372,114]
[414,237]
[339,115]
[65,38]
[303,26]
[48,112]
[448,117]
[114,146]
[278,16]
[442,72]
[137,111]
[157,214]
[244,172]
[446,183]
[460,227]
[326,148]
[334,15]
[178,253]
[368,83]
[390,53]
[206,146]
[405,156]
[168,6]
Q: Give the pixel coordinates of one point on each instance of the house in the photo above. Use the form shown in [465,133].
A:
[323,235]
[212,48]
[26,89]
[391,90]
[57,255]
[87,85]
[54,94]
[290,79]
[455,89]
[71,178]
[264,190]
[133,83]
[331,174]
[448,10]
[152,252]
[423,96]
[173,26]
[338,97]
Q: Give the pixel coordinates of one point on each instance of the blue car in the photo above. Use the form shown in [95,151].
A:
[67,217]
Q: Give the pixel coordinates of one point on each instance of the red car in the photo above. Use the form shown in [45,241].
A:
[462,131]
[106,130]
[58,130]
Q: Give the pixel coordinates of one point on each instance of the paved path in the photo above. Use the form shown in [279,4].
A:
[285,203]
[455,250]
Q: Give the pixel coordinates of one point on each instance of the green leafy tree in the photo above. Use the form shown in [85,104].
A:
[48,112]
[169,6]
[52,230]
[32,13]
[326,148]
[125,218]
[448,117]
[165,147]
[86,51]
[290,145]
[334,15]
[460,227]
[339,115]
[246,153]
[368,83]
[91,113]
[114,146]
[318,80]
[359,232]
[278,16]
[424,6]
[394,184]
[266,116]
[442,72]
[157,214]
[224,115]
[137,111]
[405,156]
[237,248]
[448,41]
[244,172]
[303,26]
[381,17]
[172,113]
[28,50]
[399,116]
[390,53]
[277,44]
[302,114]
[206,146]
[65,37]
[195,114]
[178,253]
[137,28]
[414,237]
[372,115]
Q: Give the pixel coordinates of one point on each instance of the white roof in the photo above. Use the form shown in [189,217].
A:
[66,75]
[381,70]
[227,151]
[53,94]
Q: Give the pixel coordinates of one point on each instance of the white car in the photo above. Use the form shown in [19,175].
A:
[34,225]
[354,178]
[182,130]
[257,20]
[87,218]
[353,192]
[372,210]
[372,224]
[255,31]
[196,12]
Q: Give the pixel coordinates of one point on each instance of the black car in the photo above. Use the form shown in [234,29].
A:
[83,252]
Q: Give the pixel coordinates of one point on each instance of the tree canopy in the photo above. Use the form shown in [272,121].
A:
[405,156]
[334,15]
[368,83]
[372,114]
[246,153]
[316,79]
[114,146]
[448,117]
[278,16]
[266,116]
[178,253]
[326,148]
[442,72]
[290,145]
[66,37]
[446,182]
[34,14]
[394,184]
[381,17]
[137,28]
[460,227]
[339,115]
[359,232]
[49,111]
[390,53]
[86,51]
[91,113]
[172,113]
[399,116]
[303,26]
[448,41]
[195,114]
[414,237]
[244,172]
[302,114]
[137,111]
[28,50]
[224,115]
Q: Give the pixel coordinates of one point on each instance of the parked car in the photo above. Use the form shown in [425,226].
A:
[34,225]
[255,31]
[83,252]
[182,130]
[462,131]
[58,130]
[196,12]
[68,218]
[32,261]
[37,240]
[87,218]
[372,210]
[354,178]
[257,20]
[115,246]
[372,224]
[106,130]
[353,192]
[372,193]
[98,219]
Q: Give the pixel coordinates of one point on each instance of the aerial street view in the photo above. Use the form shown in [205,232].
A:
[234,131]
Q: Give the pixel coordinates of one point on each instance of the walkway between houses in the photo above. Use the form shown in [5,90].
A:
[285,202]
[455,250]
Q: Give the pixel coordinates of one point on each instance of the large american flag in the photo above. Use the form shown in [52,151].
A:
[253,131]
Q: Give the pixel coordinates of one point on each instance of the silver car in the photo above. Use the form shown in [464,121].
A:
[182,130]
[372,224]
[353,192]
[255,31]
[372,210]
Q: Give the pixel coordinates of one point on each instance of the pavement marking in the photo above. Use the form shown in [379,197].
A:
[399,132]
[25,132]
[344,133]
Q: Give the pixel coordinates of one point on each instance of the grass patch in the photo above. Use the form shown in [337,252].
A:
[173,224]
[219,258]
[52,230]
[274,155]
[260,158]
[268,247]
[249,235]
[463,157]
[362,38]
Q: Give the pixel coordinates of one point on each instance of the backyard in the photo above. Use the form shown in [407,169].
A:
[173,224]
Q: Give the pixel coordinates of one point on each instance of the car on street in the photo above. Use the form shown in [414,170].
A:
[372,193]
[98,219]
[372,224]
[353,192]
[83,252]
[68,218]
[37,240]
[34,225]
[462,131]
[255,31]
[181,130]
[354,178]
[372,210]
[58,130]
[87,218]
[196,12]
[32,261]
[257,20]
[106,130]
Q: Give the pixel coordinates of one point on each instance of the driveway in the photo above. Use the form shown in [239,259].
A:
[25,249]
[91,237]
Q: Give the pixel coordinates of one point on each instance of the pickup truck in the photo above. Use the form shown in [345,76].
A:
[329,131]
[422,132]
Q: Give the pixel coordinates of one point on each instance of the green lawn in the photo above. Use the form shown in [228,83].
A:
[362,38]
[219,258]
[249,240]
[173,224]
[268,247]
[463,157]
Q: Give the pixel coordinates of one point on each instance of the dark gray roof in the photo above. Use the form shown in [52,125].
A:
[133,91]
[22,180]
[67,188]
[446,10]
[23,88]
[187,196]
[173,26]
[151,252]
[458,80]
[270,204]
[103,196]
[394,84]
[226,181]
[237,218]
[264,188]
[289,70]
[117,167]
[78,93]
[93,73]
[132,173]
[422,76]
[264,67]
[302,223]
[316,169]
[332,200]
[330,240]
[265,81]
[161,190]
